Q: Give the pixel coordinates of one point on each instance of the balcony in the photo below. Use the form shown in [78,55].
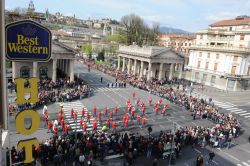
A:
[238,50]
[220,39]
[237,76]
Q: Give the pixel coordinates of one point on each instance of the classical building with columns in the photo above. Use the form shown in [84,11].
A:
[150,62]
[61,62]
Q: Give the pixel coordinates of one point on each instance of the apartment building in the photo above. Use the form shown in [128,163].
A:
[220,55]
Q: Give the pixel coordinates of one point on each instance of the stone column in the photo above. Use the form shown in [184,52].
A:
[63,66]
[66,65]
[129,65]
[149,71]
[180,70]
[123,64]
[160,71]
[71,70]
[142,69]
[119,63]
[14,72]
[135,66]
[34,69]
[171,71]
[54,70]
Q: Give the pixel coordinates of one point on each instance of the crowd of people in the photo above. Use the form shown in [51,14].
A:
[49,92]
[84,147]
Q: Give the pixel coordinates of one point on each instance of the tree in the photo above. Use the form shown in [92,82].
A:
[100,56]
[137,31]
[87,49]
[118,38]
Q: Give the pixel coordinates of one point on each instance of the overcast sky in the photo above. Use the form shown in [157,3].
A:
[190,15]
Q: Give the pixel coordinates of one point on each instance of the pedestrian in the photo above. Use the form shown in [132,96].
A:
[133,94]
[115,111]
[88,117]
[149,101]
[99,116]
[138,119]
[143,121]
[72,113]
[143,110]
[83,112]
[164,111]
[108,122]
[111,115]
[94,124]
[49,126]
[81,159]
[114,126]
[106,111]
[85,126]
[66,129]
[95,111]
[101,79]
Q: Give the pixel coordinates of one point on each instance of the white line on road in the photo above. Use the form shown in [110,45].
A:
[240,112]
[193,123]
[232,108]
[245,114]
[244,163]
[186,164]
[236,110]
[197,150]
[230,156]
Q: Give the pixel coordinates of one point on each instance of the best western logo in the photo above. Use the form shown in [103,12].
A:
[27,45]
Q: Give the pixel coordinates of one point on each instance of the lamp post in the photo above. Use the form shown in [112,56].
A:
[3,96]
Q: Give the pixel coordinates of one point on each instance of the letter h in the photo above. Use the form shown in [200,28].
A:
[32,90]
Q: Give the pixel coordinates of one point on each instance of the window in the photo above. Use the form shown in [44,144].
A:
[217,56]
[24,72]
[213,79]
[207,64]
[185,44]
[197,75]
[230,28]
[215,66]
[201,36]
[200,54]
[242,37]
[43,72]
[233,70]
[235,58]
[208,55]
[204,78]
[189,44]
[199,64]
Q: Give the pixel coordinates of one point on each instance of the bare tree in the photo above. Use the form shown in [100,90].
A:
[137,31]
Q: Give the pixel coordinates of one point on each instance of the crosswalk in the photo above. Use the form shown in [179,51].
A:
[244,163]
[105,89]
[232,108]
[75,126]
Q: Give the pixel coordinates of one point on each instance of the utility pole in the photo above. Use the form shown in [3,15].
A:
[3,96]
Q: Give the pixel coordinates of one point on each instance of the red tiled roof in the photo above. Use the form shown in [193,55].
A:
[231,22]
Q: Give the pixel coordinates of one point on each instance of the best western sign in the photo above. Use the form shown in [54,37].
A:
[27,41]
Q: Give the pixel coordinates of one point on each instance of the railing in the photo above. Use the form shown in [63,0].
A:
[222,48]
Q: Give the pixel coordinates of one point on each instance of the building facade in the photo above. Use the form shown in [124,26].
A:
[220,55]
[150,62]
[62,61]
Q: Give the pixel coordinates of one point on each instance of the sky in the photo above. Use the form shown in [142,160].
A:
[189,15]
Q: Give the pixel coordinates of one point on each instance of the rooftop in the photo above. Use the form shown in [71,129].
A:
[240,20]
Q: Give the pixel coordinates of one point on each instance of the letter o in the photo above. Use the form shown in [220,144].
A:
[35,122]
